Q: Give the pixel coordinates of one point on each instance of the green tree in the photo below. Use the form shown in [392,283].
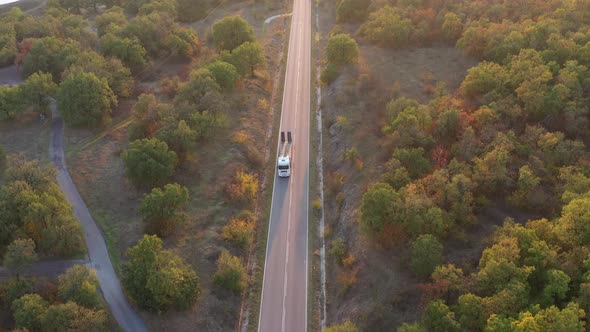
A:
[128,50]
[472,312]
[49,55]
[347,326]
[246,57]
[231,272]
[112,16]
[342,49]
[72,317]
[163,208]
[183,42]
[414,161]
[386,27]
[85,100]
[158,279]
[20,254]
[487,79]
[426,255]
[148,161]
[11,102]
[352,10]
[28,311]
[231,32]
[378,207]
[225,74]
[79,284]
[438,317]
[556,287]
[8,42]
[36,89]
[117,75]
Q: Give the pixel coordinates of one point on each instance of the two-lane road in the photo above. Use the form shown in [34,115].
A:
[284,291]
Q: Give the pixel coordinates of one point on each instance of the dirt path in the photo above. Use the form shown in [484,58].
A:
[97,250]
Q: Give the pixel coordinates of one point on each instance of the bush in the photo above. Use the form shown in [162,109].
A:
[239,232]
[149,162]
[338,249]
[231,273]
[426,255]
[347,326]
[244,187]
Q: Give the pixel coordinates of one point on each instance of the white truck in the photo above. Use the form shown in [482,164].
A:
[285,158]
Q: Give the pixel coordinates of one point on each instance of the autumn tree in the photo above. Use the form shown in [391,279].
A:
[28,312]
[79,284]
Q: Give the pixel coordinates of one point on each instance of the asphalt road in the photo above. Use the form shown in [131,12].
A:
[110,286]
[284,291]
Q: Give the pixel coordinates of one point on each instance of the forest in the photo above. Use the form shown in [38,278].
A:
[162,83]
[513,133]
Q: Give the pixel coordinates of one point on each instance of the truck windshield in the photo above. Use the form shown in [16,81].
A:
[283,167]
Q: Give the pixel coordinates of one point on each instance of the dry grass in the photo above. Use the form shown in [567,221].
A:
[27,135]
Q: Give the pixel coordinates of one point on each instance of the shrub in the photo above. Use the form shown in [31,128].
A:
[244,187]
[338,249]
[347,326]
[329,74]
[231,273]
[239,232]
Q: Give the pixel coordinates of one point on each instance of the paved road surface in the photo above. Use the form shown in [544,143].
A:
[284,289]
[97,250]
[51,268]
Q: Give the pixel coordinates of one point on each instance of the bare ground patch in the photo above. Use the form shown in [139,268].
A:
[26,134]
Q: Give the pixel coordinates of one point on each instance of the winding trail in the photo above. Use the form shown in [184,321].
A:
[97,250]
